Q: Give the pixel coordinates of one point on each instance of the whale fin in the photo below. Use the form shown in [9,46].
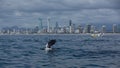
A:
[51,43]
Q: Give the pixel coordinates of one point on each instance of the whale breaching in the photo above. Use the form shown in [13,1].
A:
[50,44]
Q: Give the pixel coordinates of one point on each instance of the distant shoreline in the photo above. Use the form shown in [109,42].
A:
[63,34]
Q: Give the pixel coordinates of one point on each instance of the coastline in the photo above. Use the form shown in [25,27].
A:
[64,34]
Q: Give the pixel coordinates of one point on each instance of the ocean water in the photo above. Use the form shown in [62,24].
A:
[70,51]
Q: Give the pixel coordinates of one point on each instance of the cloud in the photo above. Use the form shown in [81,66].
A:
[20,12]
[57,5]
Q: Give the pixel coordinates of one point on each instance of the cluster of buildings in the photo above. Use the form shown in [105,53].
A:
[70,29]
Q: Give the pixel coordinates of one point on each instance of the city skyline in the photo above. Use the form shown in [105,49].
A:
[69,29]
[26,13]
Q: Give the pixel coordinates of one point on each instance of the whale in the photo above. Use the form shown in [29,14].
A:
[50,44]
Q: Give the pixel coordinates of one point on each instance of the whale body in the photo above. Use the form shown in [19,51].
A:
[49,45]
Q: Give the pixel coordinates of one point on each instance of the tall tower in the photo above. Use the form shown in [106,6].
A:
[114,29]
[48,25]
[40,25]
[56,27]
[70,26]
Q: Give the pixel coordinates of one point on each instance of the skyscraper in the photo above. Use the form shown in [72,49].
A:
[56,27]
[103,29]
[118,27]
[73,28]
[48,25]
[114,28]
[70,26]
[88,28]
[92,29]
[80,29]
[40,25]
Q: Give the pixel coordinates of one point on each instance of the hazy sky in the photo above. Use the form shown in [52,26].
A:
[26,12]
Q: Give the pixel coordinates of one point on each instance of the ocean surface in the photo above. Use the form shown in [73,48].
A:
[70,51]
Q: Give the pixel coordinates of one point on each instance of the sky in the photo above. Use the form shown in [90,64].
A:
[26,13]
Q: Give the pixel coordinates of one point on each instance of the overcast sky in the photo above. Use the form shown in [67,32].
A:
[25,13]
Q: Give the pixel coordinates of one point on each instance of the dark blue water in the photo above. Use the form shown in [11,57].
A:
[70,51]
